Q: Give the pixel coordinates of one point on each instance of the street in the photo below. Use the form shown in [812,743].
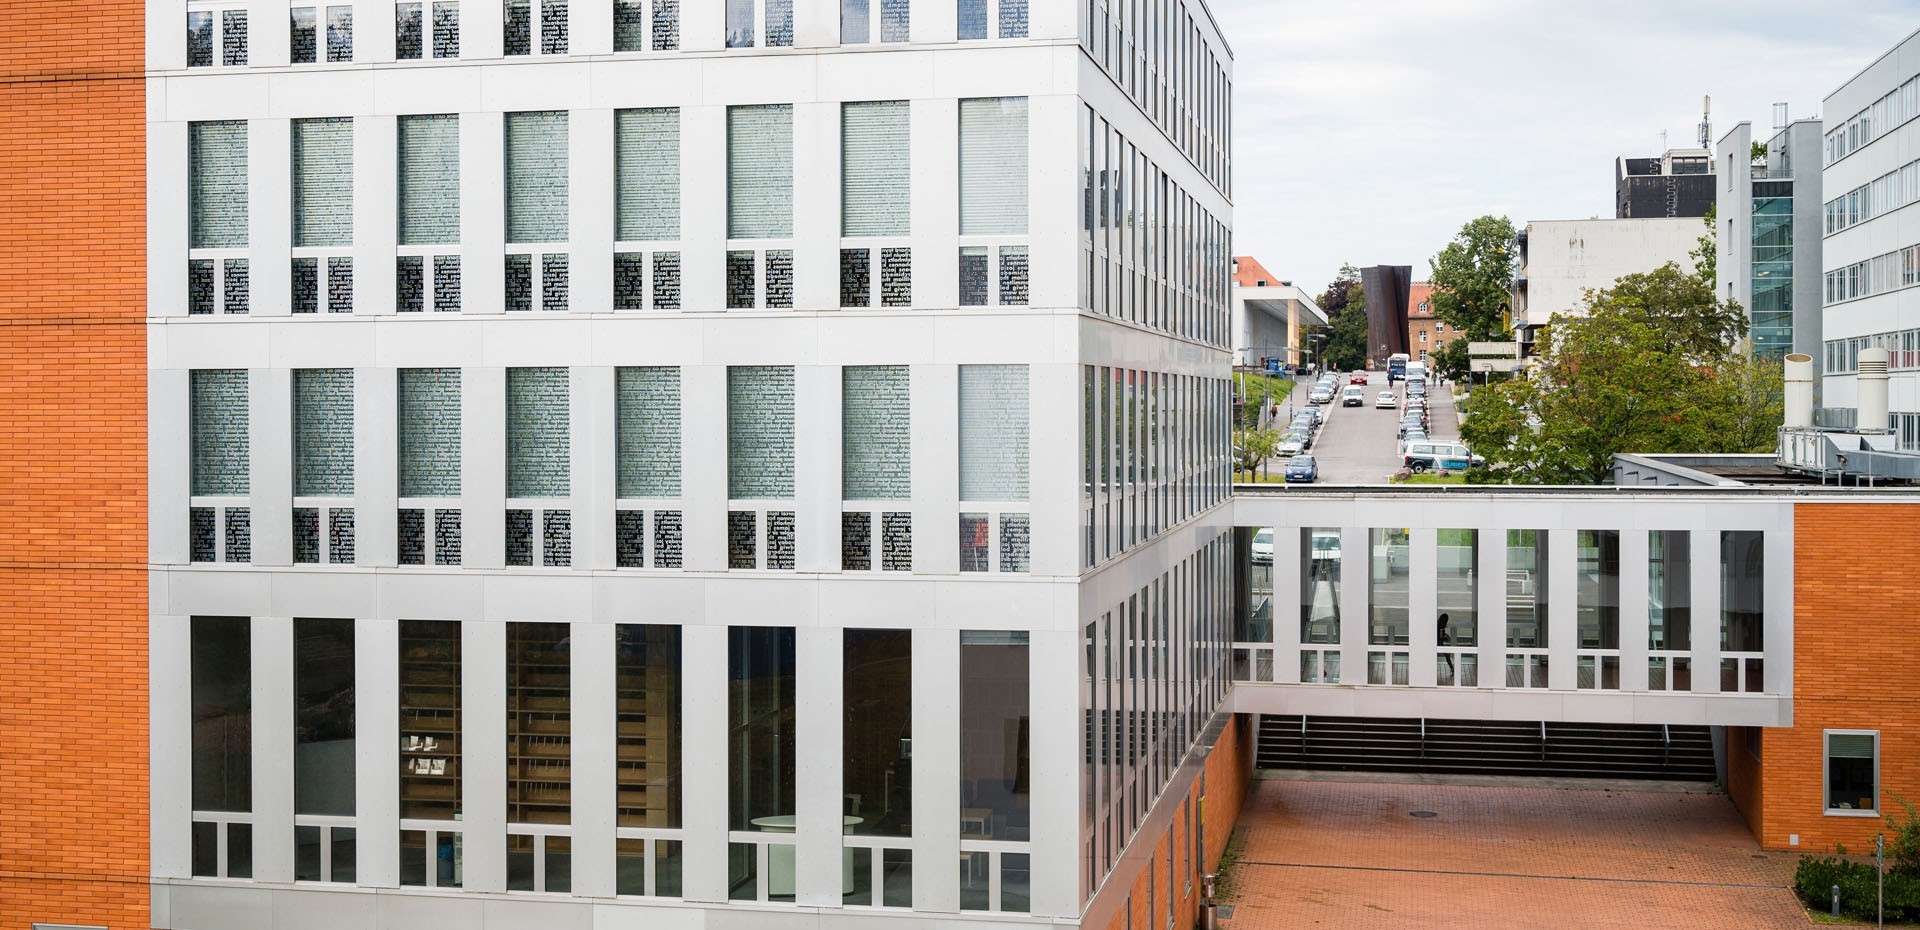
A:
[1359,445]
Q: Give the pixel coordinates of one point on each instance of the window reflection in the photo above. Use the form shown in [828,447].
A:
[1387,587]
[994,789]
[1319,585]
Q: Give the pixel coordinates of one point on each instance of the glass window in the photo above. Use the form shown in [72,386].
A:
[430,738]
[1669,591]
[1527,589]
[1742,590]
[1458,591]
[1320,585]
[1013,19]
[536,176]
[1254,622]
[740,28]
[895,20]
[993,166]
[878,735]
[1387,622]
[218,410]
[760,403]
[874,176]
[221,663]
[875,423]
[993,433]
[539,451]
[1853,771]
[972,19]
[994,788]
[429,195]
[760,729]
[539,751]
[323,432]
[323,721]
[217,185]
[647,161]
[855,22]
[647,421]
[1597,599]
[760,171]
[648,662]
[323,182]
[429,400]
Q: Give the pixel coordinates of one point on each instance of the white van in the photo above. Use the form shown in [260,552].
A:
[1353,397]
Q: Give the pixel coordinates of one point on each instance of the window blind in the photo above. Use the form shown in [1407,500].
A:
[429,155]
[993,166]
[218,413]
[647,161]
[874,169]
[323,432]
[760,432]
[536,145]
[760,172]
[647,420]
[538,417]
[323,182]
[993,432]
[217,185]
[429,432]
[1850,745]
[875,443]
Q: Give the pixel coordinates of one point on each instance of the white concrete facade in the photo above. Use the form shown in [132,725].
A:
[1170,512]
[1560,260]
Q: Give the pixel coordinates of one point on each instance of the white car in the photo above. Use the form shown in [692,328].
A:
[1263,547]
[1386,401]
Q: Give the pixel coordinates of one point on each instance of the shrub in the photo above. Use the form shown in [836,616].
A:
[1903,839]
[1813,881]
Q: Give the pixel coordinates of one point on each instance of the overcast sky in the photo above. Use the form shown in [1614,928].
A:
[1368,131]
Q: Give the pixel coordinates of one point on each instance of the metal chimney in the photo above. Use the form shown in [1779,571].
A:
[1799,390]
[1871,383]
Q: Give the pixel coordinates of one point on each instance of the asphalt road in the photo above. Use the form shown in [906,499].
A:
[1359,445]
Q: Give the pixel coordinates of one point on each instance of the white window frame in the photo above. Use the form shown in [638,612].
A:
[1826,764]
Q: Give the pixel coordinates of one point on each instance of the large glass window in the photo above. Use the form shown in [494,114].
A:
[761,714]
[1527,589]
[323,182]
[1742,590]
[220,663]
[995,789]
[1669,591]
[324,747]
[1320,585]
[993,166]
[1597,600]
[876,445]
[429,400]
[217,185]
[1387,622]
[993,433]
[760,171]
[429,194]
[760,405]
[647,164]
[539,754]
[874,169]
[647,660]
[647,424]
[323,432]
[1853,771]
[536,176]
[430,722]
[218,411]
[538,436]
[878,734]
[1458,555]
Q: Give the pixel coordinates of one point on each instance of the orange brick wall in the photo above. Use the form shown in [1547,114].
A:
[73,591]
[1744,782]
[1856,659]
[1228,769]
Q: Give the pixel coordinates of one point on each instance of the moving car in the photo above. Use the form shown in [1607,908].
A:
[1386,400]
[1396,366]
[1302,468]
[1358,377]
[1439,456]
[1353,397]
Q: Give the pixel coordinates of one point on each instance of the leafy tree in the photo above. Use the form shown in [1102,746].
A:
[1451,360]
[1706,253]
[1702,327]
[1253,447]
[1471,278]
[1345,304]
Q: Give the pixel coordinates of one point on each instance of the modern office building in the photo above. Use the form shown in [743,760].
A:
[1871,251]
[1560,260]
[1768,232]
[1267,315]
[1679,182]
[631,464]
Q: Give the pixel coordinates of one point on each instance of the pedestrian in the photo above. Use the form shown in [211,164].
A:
[1444,638]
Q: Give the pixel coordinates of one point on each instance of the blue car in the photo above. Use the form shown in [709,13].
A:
[1302,468]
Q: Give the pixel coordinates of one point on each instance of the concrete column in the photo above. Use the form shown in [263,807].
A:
[703,181]
[817,468]
[483,467]
[590,180]
[376,192]
[703,481]
[1490,592]
[1054,744]
[1563,636]
[166,194]
[819,784]
[1356,567]
[816,195]
[170,742]
[1704,557]
[483,753]
[1054,469]
[376,727]
[936,469]
[590,28]
[593,467]
[376,466]
[270,202]
[595,748]
[373,29]
[703,765]
[168,464]
[934,139]
[270,484]
[272,726]
[936,762]
[482,183]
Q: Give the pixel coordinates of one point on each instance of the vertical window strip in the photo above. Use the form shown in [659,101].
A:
[647,417]
[539,417]
[429,415]
[536,176]
[760,171]
[323,432]
[760,404]
[993,166]
[874,169]
[876,442]
[647,163]
[429,157]
[323,182]
[217,184]
[218,412]
[993,433]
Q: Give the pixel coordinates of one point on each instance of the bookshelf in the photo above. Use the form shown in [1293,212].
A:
[648,707]
[539,725]
[430,719]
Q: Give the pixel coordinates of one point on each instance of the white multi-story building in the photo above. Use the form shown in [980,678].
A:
[626,463]
[1871,253]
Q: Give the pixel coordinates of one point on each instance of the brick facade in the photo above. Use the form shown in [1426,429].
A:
[1856,655]
[1215,800]
[1426,333]
[73,581]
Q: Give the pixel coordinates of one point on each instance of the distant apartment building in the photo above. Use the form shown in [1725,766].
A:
[1768,230]
[1426,331]
[1561,260]
[1870,255]
[1267,315]
[1678,182]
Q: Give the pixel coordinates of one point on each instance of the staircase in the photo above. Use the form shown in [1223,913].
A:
[1486,747]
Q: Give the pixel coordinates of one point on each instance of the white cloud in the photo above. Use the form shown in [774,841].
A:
[1368,131]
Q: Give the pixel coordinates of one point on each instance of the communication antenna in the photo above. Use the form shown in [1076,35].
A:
[1706,121]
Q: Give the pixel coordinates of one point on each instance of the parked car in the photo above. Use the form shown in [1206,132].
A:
[1439,456]
[1291,445]
[1314,412]
[1416,389]
[1263,546]
[1358,377]
[1301,468]
[1321,394]
[1413,436]
[1301,434]
[1411,425]
[1353,397]
[1386,401]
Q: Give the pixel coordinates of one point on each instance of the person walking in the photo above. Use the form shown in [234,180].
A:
[1444,638]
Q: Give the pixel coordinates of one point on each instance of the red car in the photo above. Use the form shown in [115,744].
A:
[1359,377]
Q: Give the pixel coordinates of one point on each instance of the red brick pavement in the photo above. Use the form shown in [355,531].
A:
[1350,855]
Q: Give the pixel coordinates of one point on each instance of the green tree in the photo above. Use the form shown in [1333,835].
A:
[1746,402]
[1451,360]
[1252,448]
[1706,251]
[1345,304]
[1472,276]
[1681,305]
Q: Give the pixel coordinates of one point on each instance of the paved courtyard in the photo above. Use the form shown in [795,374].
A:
[1349,854]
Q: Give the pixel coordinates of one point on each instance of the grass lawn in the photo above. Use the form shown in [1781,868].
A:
[1432,479]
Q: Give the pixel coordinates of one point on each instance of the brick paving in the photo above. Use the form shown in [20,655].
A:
[1335,854]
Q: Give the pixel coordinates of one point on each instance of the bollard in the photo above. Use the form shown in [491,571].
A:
[1836,900]
[1209,909]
